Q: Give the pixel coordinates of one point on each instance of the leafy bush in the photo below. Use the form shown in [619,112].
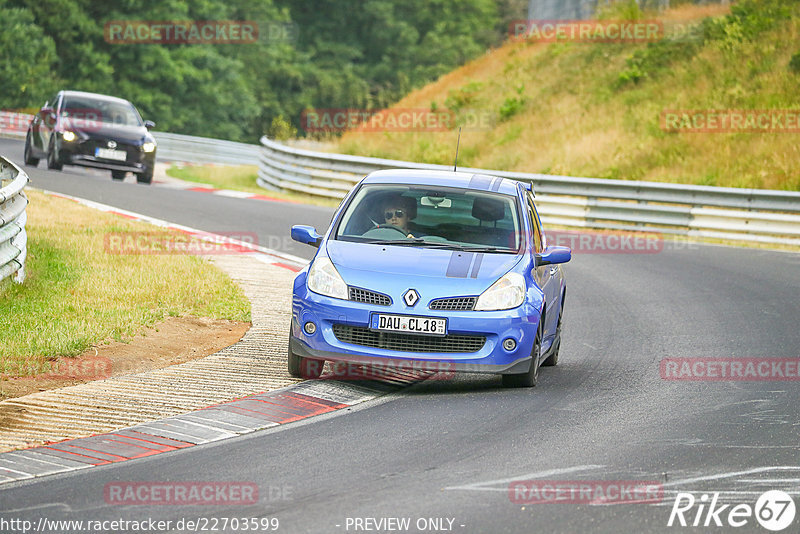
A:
[510,107]
[746,22]
[458,99]
[794,63]
[654,58]
[281,129]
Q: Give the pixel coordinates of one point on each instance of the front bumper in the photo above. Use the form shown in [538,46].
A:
[81,153]
[520,324]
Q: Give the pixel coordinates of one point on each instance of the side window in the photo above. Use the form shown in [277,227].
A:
[537,228]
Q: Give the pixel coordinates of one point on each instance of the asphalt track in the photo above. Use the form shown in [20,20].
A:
[451,448]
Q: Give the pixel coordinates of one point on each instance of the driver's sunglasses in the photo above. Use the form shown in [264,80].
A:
[396,213]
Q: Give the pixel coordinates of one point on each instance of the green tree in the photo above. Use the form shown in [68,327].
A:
[26,56]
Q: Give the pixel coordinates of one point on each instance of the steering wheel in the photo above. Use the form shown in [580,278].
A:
[377,231]
[393,227]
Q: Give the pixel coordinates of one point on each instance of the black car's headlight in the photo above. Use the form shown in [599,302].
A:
[148,147]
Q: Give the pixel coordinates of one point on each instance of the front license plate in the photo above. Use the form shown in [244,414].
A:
[409,324]
[110,153]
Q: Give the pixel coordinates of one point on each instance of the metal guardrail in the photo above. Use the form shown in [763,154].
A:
[177,147]
[755,215]
[13,239]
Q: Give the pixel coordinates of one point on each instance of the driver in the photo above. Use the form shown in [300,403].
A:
[397,211]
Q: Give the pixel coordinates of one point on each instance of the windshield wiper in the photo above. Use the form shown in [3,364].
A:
[409,242]
[438,244]
[413,241]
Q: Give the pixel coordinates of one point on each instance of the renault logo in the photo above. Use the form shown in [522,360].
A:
[112,144]
[411,297]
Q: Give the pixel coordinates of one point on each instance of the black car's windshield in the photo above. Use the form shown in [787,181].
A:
[435,217]
[105,111]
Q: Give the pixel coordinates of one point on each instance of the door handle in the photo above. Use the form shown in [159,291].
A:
[553,270]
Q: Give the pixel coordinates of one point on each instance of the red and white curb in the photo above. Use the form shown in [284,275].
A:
[237,194]
[215,423]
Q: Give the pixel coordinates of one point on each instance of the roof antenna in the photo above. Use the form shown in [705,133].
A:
[455,163]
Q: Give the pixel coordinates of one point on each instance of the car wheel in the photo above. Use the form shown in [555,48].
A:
[527,380]
[553,358]
[26,156]
[118,175]
[52,157]
[300,367]
[146,177]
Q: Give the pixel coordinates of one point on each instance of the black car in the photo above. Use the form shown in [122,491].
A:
[92,130]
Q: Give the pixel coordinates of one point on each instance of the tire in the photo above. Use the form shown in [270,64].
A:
[53,162]
[552,360]
[527,380]
[118,175]
[300,367]
[146,177]
[27,158]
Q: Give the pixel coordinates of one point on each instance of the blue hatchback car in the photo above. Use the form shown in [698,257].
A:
[431,270]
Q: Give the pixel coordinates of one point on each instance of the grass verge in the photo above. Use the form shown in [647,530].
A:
[239,178]
[77,294]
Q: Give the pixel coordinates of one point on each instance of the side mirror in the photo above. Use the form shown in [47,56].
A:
[48,112]
[306,234]
[149,124]
[554,255]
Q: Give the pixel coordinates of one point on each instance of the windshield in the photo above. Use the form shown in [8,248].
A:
[105,111]
[432,217]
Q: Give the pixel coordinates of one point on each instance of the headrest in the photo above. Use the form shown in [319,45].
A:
[488,209]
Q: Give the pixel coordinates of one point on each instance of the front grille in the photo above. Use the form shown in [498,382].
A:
[407,342]
[369,297]
[453,304]
[88,148]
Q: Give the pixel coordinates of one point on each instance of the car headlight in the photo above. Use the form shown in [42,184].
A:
[323,278]
[508,292]
[68,136]
[148,147]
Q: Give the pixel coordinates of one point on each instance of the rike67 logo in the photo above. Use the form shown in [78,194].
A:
[774,510]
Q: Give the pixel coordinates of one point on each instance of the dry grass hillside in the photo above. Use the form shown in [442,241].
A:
[594,109]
